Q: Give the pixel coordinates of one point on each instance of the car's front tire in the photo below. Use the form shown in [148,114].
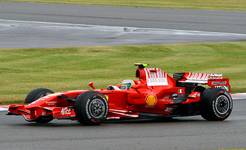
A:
[216,104]
[36,94]
[91,108]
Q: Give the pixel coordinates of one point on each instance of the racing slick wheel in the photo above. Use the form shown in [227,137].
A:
[36,94]
[216,104]
[91,108]
[178,76]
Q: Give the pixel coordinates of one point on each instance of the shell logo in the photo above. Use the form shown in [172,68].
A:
[151,100]
[106,96]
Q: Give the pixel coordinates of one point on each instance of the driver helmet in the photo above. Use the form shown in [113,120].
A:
[127,84]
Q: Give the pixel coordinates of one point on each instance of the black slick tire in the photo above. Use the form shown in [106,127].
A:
[36,94]
[216,104]
[91,108]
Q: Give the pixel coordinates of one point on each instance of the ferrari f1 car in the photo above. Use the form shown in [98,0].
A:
[154,92]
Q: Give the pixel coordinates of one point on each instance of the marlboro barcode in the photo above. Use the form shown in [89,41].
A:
[156,77]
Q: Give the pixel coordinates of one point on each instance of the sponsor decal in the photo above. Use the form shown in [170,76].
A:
[215,76]
[151,100]
[106,97]
[156,77]
[201,77]
[219,82]
[66,111]
[168,109]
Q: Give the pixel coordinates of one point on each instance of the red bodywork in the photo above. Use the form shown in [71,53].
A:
[155,92]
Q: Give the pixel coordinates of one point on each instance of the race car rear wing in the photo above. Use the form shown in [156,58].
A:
[210,79]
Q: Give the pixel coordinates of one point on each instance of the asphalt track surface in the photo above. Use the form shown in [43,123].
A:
[28,25]
[182,19]
[181,133]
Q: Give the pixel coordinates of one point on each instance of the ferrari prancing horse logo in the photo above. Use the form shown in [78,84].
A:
[151,100]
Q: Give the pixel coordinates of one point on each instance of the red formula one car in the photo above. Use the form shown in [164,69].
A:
[154,93]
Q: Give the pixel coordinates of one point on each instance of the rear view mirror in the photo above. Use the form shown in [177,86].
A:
[91,85]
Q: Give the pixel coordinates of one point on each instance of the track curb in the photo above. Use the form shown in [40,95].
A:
[239,96]
[3,108]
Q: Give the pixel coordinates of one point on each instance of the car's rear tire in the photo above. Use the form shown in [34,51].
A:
[216,104]
[178,76]
[91,108]
[36,94]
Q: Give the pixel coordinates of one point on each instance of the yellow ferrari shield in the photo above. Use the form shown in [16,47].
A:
[151,100]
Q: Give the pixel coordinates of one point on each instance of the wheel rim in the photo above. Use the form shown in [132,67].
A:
[222,104]
[97,108]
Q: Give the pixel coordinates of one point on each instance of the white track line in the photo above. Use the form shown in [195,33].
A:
[125,29]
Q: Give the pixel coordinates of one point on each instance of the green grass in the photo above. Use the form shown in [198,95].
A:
[72,68]
[196,4]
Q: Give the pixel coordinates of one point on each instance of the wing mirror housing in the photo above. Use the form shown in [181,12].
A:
[91,85]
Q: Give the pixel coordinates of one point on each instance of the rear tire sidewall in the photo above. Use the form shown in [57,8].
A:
[210,104]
